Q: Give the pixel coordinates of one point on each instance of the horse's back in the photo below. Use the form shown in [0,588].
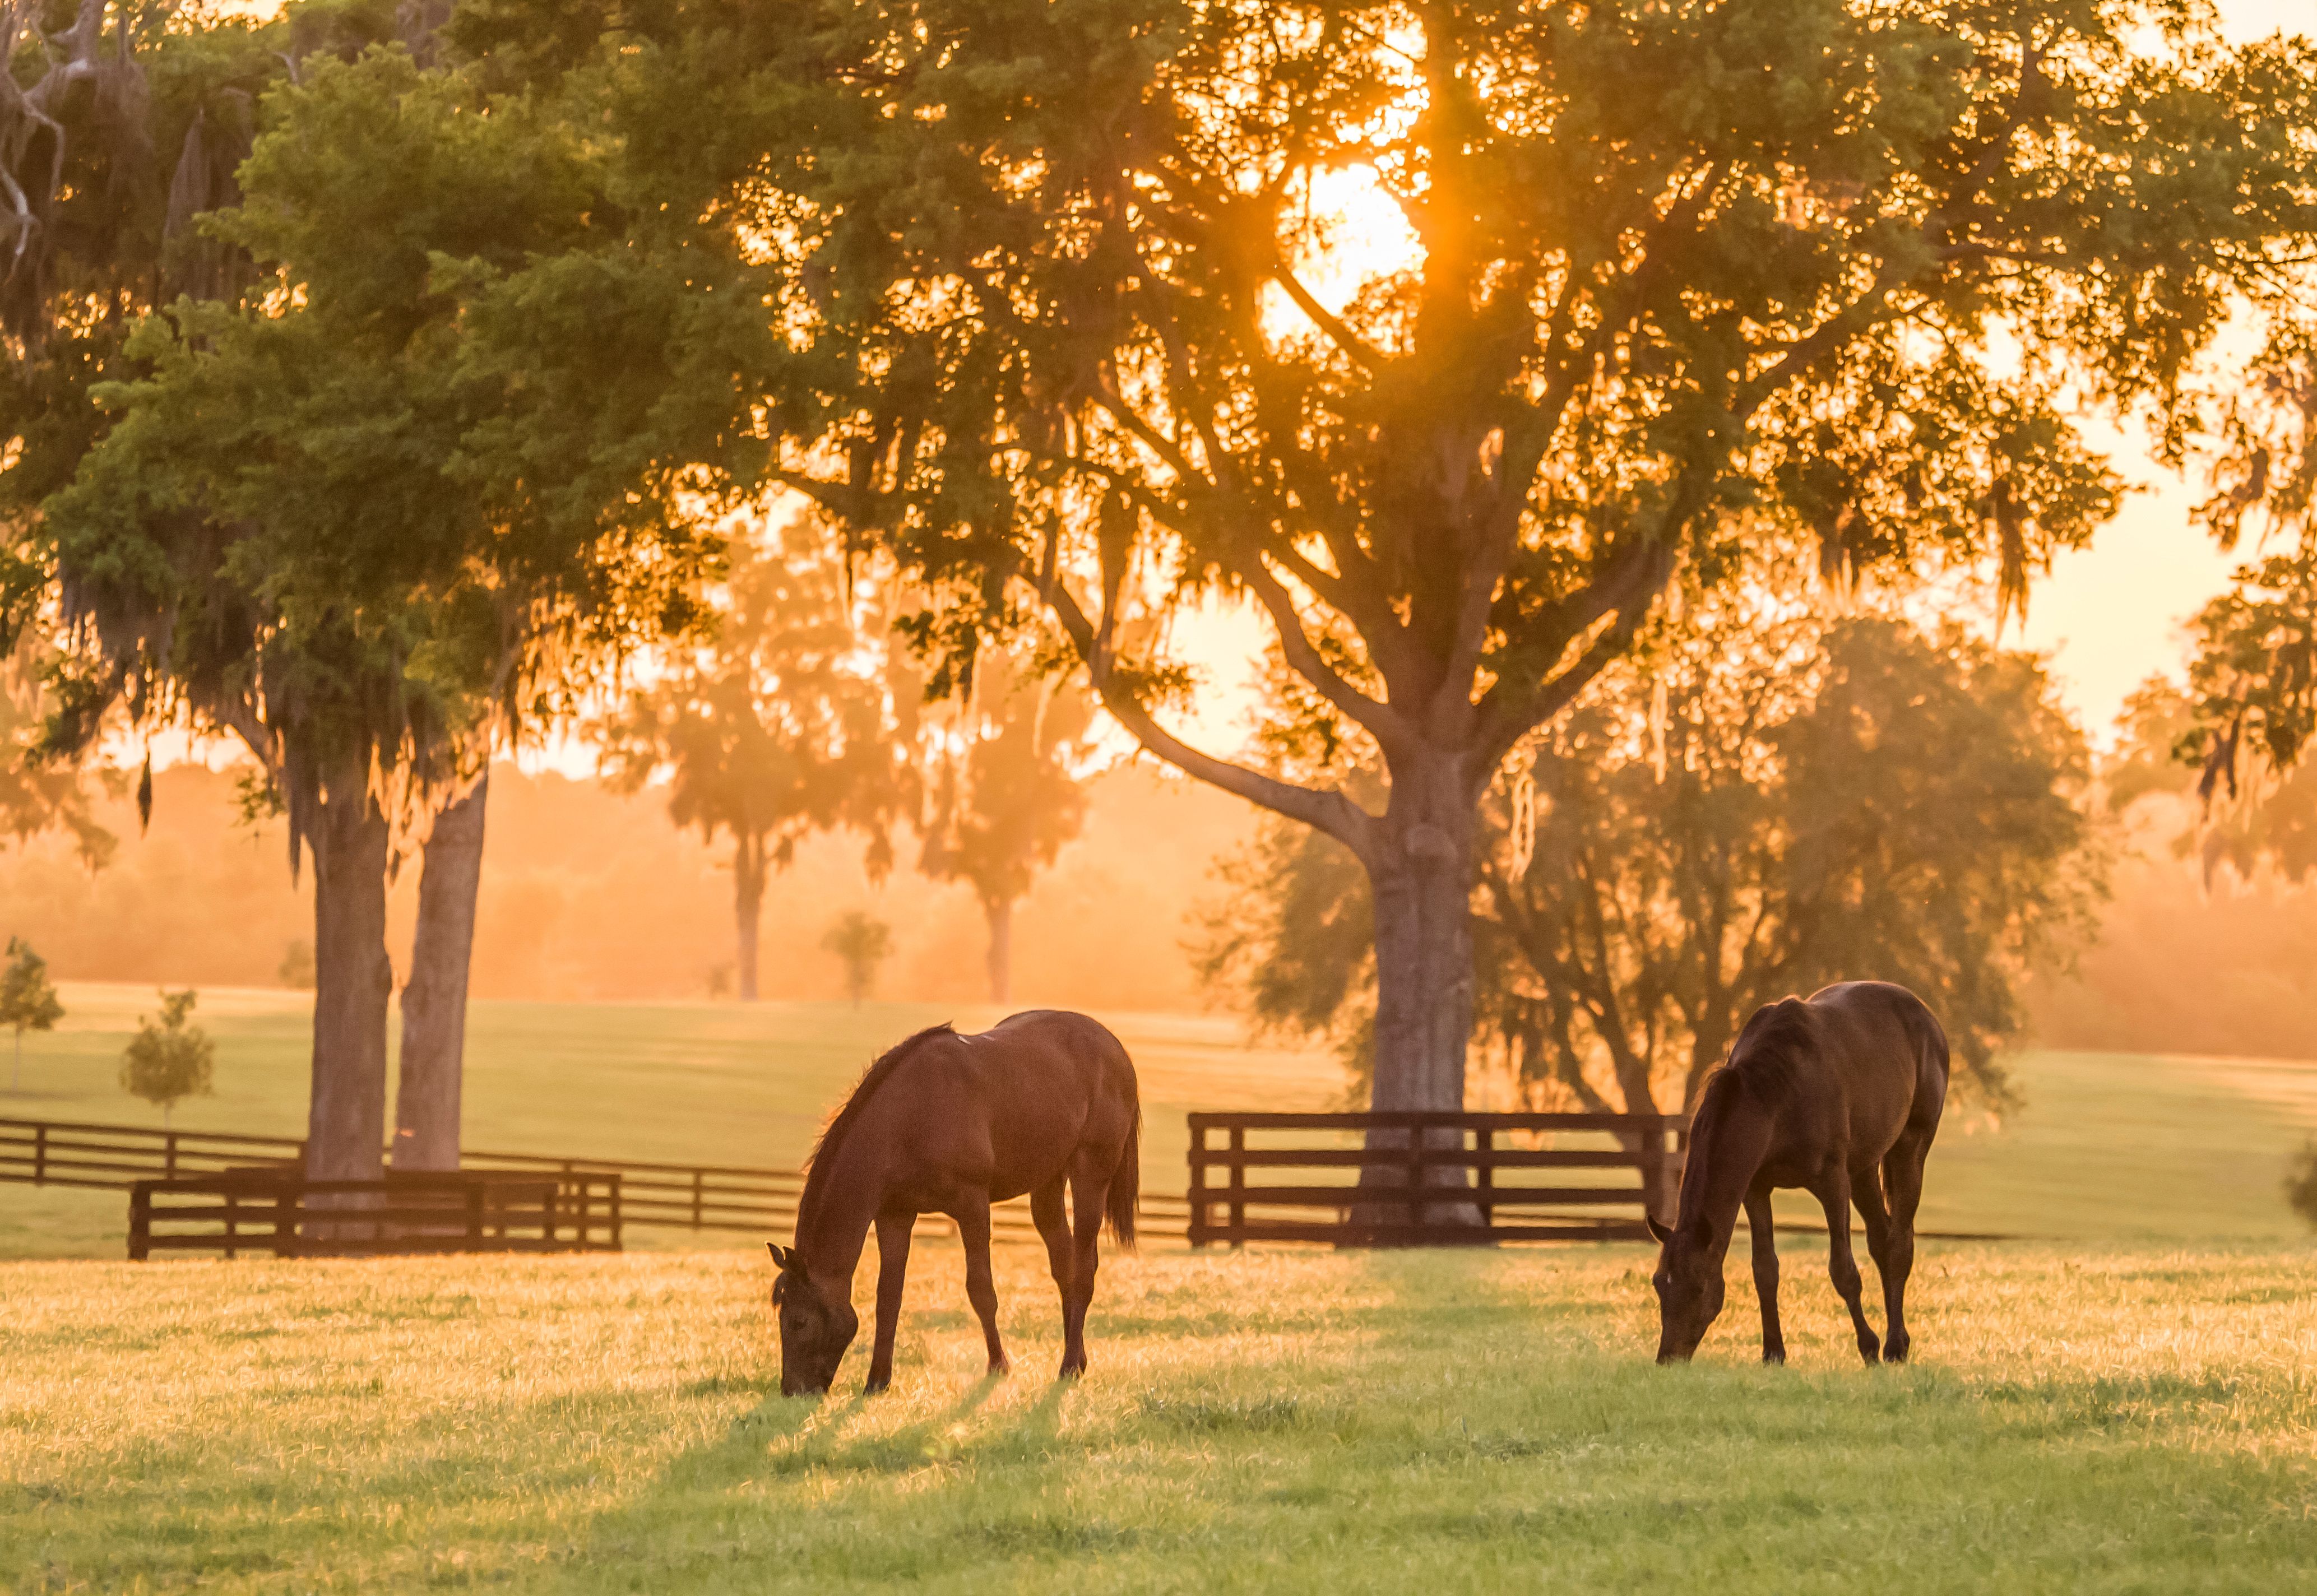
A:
[1041,1082]
[1891,1053]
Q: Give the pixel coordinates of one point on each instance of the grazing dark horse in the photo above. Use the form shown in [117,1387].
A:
[949,1124]
[1841,1096]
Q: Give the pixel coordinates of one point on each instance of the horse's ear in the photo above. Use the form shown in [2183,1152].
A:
[1662,1232]
[780,1259]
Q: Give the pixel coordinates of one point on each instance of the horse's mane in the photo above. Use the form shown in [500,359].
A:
[832,1136]
[1762,1058]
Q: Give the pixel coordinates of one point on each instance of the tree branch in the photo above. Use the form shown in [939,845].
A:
[1330,812]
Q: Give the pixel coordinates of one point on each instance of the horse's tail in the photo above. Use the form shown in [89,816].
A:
[1126,1183]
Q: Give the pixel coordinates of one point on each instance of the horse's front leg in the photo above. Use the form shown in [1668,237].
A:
[972,1216]
[892,1267]
[1832,1190]
[1765,1273]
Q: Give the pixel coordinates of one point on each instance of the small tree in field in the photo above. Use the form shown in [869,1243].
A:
[172,1060]
[2300,1183]
[863,942]
[28,1001]
[297,966]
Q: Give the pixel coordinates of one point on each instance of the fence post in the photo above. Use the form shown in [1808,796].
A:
[1418,1210]
[698,1208]
[232,1215]
[169,1154]
[1238,1184]
[614,1194]
[1484,1142]
[40,1154]
[1197,1225]
[141,1221]
[285,1218]
[474,1215]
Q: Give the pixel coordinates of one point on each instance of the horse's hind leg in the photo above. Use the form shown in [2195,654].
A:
[1832,1190]
[1866,1192]
[972,1216]
[1048,1208]
[1902,1178]
[1765,1273]
[892,1268]
[1089,1191]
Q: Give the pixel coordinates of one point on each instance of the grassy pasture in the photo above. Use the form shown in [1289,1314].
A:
[2108,1147]
[2110,1420]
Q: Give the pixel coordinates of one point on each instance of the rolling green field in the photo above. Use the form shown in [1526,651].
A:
[2108,1147]
[2127,1402]
[2104,1420]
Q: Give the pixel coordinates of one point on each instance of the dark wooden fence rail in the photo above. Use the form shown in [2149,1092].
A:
[109,1157]
[1442,1182]
[280,1212]
[675,1195]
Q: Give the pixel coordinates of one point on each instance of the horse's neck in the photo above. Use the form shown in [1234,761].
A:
[1728,1143]
[849,1192]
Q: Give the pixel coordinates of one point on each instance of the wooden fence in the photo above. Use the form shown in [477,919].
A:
[279,1211]
[752,1201]
[1442,1182]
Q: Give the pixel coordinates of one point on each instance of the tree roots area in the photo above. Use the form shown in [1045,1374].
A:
[2106,1421]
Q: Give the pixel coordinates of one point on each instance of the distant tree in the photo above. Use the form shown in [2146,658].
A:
[862,942]
[1004,790]
[2300,1182]
[28,1001]
[166,1063]
[779,727]
[297,967]
[1763,807]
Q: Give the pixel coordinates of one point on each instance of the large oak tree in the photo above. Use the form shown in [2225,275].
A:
[1072,315]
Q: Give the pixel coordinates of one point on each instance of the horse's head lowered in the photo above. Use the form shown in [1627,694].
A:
[815,1328]
[1688,1281]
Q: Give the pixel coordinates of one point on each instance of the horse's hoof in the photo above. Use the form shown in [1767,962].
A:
[874,1386]
[1775,1356]
[1869,1352]
[1896,1352]
[1071,1371]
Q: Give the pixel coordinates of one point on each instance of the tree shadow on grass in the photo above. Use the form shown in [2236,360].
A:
[731,1504]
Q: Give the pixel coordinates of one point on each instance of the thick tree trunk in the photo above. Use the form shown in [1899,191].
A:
[434,1000]
[749,909]
[1420,874]
[999,913]
[345,1132]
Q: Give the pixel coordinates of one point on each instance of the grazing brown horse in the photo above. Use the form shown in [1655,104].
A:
[949,1124]
[1841,1096]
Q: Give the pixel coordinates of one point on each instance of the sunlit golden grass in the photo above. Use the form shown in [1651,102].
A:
[2109,1421]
